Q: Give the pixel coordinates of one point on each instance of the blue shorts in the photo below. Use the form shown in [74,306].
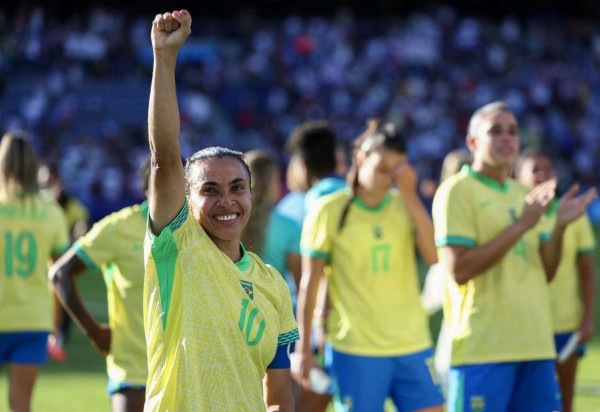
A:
[561,339]
[362,383]
[530,386]
[114,387]
[28,348]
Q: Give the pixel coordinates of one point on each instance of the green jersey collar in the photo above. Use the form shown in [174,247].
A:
[244,262]
[386,199]
[488,181]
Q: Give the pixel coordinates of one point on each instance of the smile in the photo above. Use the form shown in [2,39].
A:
[225,218]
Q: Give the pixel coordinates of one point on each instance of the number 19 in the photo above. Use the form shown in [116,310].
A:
[20,254]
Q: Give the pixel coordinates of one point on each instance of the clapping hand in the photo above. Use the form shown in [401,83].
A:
[537,202]
[571,206]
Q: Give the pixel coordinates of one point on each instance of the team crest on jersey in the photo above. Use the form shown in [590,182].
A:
[248,287]
[477,403]
[377,232]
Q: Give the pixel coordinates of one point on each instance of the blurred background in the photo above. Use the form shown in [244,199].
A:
[76,75]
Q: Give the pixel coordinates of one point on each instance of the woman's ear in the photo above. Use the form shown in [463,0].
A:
[471,142]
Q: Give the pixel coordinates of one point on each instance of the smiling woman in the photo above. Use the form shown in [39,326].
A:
[218,187]
[218,321]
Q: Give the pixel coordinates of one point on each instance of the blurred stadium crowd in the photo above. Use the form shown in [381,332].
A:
[79,83]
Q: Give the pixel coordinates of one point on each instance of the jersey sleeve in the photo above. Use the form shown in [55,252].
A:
[586,242]
[61,240]
[98,245]
[316,239]
[453,216]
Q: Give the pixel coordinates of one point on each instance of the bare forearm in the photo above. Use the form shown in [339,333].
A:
[163,111]
[307,300]
[66,291]
[473,262]
[551,252]
[167,190]
[277,388]
[424,228]
[588,285]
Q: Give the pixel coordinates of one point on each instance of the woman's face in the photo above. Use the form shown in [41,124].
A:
[535,170]
[496,143]
[376,169]
[220,197]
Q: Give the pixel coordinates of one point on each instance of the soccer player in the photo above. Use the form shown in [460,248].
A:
[113,246]
[366,236]
[218,321]
[572,291]
[78,218]
[34,232]
[432,295]
[320,159]
[500,253]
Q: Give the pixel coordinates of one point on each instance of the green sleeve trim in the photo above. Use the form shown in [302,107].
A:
[455,241]
[180,218]
[288,337]
[315,254]
[586,251]
[164,252]
[85,258]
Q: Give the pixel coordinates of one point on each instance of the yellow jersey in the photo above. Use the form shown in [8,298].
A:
[212,325]
[372,275]
[503,314]
[33,230]
[565,292]
[114,245]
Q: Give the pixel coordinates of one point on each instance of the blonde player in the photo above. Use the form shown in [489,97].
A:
[572,291]
[34,231]
[500,252]
[366,237]
[114,247]
[218,321]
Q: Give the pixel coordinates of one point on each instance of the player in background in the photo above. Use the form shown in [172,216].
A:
[318,162]
[434,287]
[34,233]
[366,236]
[266,192]
[218,321]
[78,219]
[572,291]
[113,247]
[500,253]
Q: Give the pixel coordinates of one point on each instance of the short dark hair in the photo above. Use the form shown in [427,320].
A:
[214,152]
[315,142]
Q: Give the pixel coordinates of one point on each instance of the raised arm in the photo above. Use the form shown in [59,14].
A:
[167,189]
[406,178]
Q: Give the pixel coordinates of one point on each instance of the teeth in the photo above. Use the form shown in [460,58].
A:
[226,217]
